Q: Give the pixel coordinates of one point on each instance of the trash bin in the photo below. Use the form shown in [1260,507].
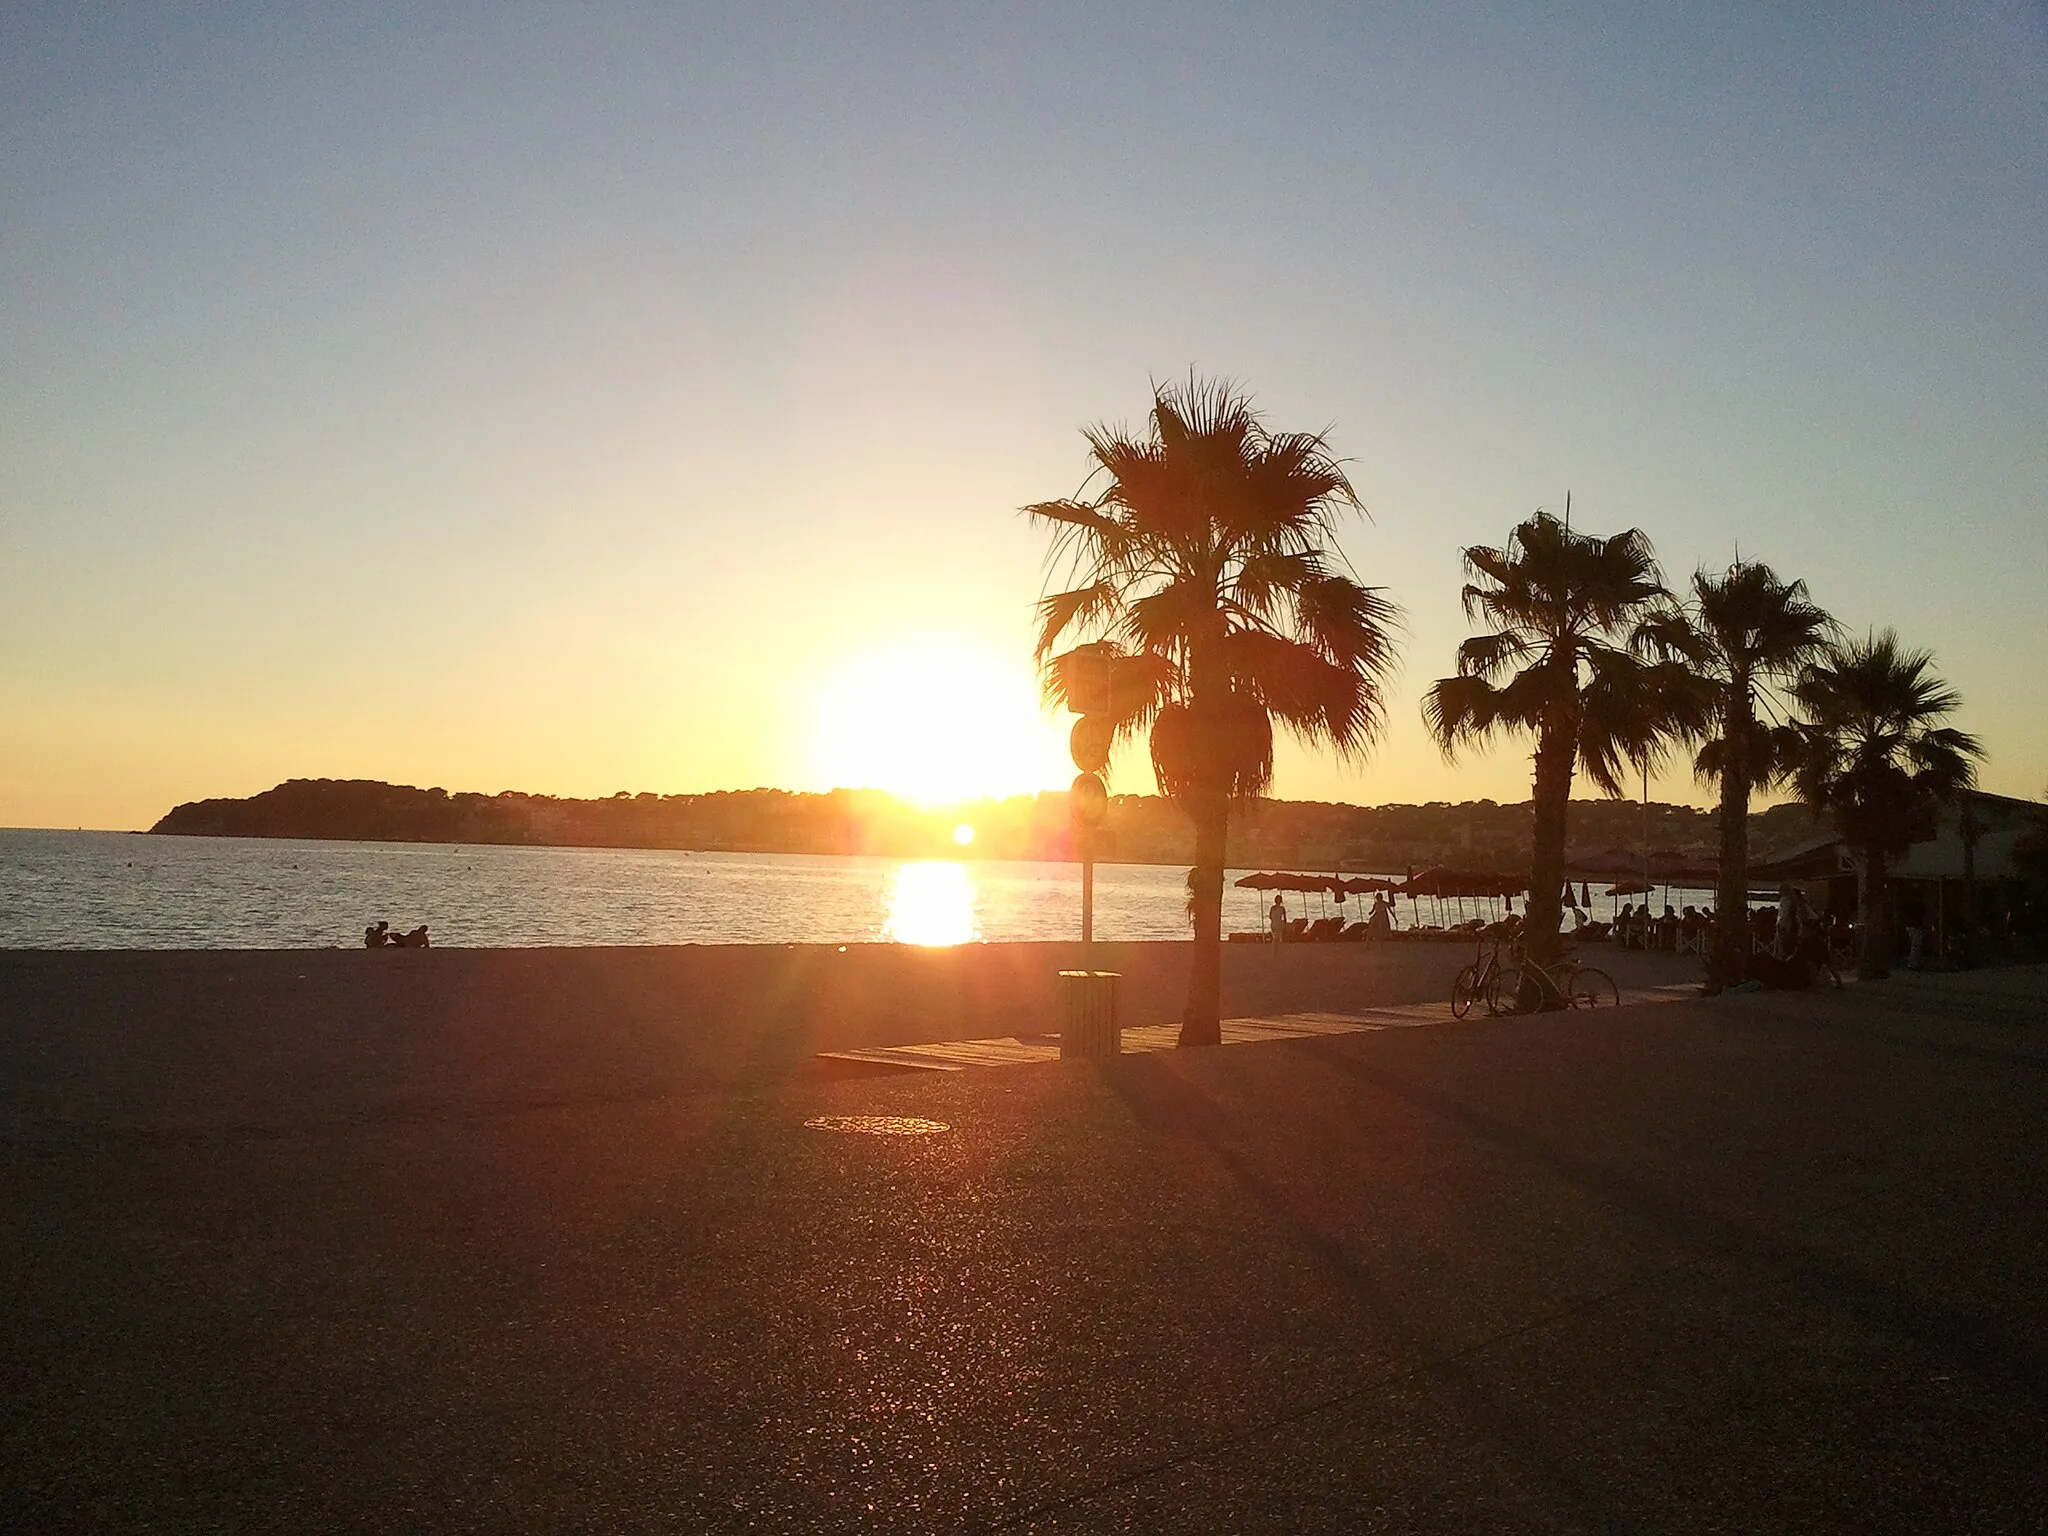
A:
[1088,1022]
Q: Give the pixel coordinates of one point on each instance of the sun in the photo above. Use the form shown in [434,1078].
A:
[938,720]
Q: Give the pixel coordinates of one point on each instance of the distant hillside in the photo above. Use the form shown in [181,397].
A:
[1476,834]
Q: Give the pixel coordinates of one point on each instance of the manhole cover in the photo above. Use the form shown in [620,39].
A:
[876,1125]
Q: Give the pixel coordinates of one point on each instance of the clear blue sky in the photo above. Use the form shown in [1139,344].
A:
[571,398]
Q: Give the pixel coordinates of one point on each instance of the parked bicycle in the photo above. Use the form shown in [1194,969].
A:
[1475,982]
[1526,986]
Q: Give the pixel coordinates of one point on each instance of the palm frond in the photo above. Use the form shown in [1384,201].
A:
[1488,655]
[1083,607]
[1630,712]
[1313,696]
[1465,711]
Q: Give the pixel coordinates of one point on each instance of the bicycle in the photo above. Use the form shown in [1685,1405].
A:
[1567,984]
[1475,982]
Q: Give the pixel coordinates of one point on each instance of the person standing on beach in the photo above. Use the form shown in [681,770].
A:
[1276,918]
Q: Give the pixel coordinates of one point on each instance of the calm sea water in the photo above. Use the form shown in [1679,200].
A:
[111,890]
[117,890]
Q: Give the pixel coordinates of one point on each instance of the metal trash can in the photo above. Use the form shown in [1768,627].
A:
[1088,1015]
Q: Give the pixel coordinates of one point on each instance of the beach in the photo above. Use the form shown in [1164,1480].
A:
[476,1240]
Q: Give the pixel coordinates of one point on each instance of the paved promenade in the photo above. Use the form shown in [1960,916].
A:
[1773,1262]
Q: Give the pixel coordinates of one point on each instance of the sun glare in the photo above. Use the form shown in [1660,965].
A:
[963,834]
[931,903]
[939,722]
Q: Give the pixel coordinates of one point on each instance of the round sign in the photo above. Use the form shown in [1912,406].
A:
[1089,741]
[1089,800]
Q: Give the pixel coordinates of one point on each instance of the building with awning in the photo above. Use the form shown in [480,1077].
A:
[1964,869]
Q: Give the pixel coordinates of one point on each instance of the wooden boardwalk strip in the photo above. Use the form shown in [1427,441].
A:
[1015,1051]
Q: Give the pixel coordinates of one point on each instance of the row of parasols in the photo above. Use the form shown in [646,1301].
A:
[1461,887]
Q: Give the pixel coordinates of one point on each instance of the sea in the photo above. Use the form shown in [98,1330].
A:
[119,890]
[129,890]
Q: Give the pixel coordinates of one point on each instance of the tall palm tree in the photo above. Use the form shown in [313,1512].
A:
[1562,659]
[1202,570]
[1876,756]
[1746,636]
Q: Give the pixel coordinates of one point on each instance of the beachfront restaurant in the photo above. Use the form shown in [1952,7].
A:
[1962,878]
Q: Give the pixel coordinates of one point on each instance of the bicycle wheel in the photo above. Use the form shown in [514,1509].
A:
[1463,989]
[1592,987]
[1503,995]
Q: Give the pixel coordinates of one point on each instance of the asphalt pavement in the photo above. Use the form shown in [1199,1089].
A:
[1775,1262]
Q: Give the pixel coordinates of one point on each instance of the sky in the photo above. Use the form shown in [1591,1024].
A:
[585,398]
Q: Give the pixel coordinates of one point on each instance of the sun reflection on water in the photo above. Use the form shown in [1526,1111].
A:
[931,902]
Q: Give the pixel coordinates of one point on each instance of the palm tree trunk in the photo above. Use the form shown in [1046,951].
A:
[1551,809]
[1873,917]
[1731,882]
[1201,1022]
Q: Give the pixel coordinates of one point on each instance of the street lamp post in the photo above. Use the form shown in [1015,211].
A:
[1089,997]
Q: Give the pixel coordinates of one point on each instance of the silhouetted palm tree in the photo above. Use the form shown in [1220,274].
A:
[1562,660]
[1746,636]
[1204,572]
[1874,754]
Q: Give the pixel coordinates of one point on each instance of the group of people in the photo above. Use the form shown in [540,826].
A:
[380,936]
[1377,925]
[1774,930]
[1672,932]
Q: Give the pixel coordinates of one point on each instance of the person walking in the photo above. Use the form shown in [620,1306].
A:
[1791,905]
[1276,918]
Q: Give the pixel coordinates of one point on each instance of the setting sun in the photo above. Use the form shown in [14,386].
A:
[936,721]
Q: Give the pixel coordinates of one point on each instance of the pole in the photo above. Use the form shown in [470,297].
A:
[1088,893]
[1646,826]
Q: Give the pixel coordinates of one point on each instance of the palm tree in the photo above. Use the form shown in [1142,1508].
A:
[1562,660]
[1202,571]
[1746,636]
[1875,755]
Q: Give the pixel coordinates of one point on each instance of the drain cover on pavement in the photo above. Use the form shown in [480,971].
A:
[876,1125]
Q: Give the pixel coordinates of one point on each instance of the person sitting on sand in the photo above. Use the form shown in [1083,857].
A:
[417,939]
[376,936]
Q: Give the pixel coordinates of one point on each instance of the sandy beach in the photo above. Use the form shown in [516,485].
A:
[493,1241]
